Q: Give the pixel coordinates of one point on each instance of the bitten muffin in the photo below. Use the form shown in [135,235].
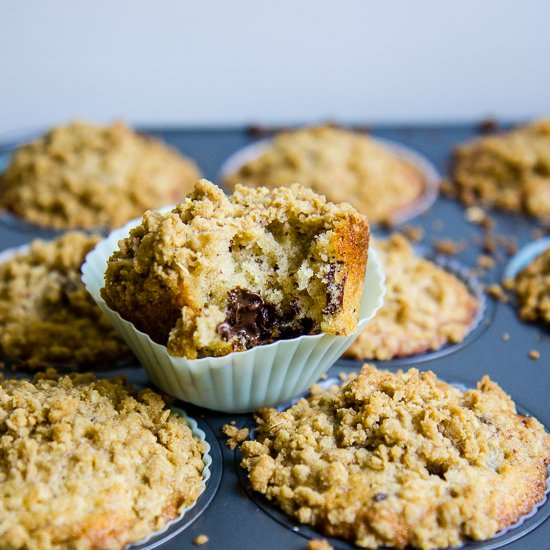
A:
[220,274]
[340,164]
[90,464]
[46,314]
[510,171]
[532,287]
[399,459]
[87,176]
[425,307]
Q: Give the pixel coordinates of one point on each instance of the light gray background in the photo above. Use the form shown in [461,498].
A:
[200,62]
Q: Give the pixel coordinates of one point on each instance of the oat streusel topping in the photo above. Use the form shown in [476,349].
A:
[344,166]
[532,287]
[87,176]
[46,314]
[226,273]
[90,464]
[398,459]
[425,307]
[509,170]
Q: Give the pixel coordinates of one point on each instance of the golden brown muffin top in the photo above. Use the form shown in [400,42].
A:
[46,315]
[338,163]
[87,176]
[398,459]
[109,463]
[509,170]
[424,308]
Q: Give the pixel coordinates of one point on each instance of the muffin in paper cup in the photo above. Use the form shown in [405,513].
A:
[241,381]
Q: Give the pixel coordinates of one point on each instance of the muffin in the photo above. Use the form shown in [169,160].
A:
[89,464]
[46,314]
[532,287]
[401,459]
[87,176]
[510,171]
[340,164]
[220,274]
[425,306]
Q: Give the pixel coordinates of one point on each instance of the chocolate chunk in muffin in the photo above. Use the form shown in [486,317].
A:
[226,273]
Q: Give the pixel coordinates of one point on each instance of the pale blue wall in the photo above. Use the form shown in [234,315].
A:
[196,62]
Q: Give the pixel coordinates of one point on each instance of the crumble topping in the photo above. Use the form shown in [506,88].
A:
[399,459]
[109,463]
[46,315]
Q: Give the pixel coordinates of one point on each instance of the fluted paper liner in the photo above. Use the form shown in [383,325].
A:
[241,381]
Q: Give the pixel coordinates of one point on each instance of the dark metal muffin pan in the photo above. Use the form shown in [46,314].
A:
[233,518]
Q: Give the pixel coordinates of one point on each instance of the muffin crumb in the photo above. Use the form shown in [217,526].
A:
[505,337]
[534,354]
[319,544]
[199,540]
[235,436]
[448,247]
[475,214]
[414,233]
[496,291]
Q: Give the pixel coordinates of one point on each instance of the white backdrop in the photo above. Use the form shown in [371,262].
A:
[233,61]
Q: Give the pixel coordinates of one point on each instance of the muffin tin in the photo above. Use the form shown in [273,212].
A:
[233,518]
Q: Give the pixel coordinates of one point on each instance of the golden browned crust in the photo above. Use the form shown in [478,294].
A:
[399,459]
[46,315]
[340,164]
[532,287]
[109,463]
[85,176]
[425,306]
[510,170]
[221,274]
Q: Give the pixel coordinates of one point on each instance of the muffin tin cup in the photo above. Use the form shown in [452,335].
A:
[525,256]
[176,525]
[525,524]
[240,381]
[429,172]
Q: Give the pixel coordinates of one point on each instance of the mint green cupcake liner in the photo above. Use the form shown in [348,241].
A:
[242,381]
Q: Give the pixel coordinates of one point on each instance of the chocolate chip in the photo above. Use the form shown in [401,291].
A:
[335,291]
[250,321]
